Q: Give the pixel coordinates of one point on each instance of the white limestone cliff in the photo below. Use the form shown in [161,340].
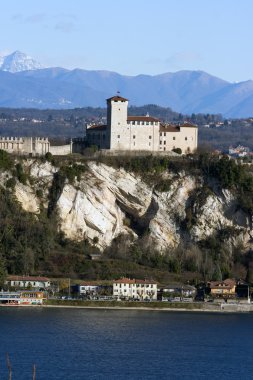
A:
[99,204]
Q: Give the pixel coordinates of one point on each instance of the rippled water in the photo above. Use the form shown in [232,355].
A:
[73,344]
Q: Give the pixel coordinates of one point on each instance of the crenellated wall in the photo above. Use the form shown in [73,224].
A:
[35,146]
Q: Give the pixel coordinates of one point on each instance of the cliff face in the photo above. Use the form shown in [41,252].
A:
[107,202]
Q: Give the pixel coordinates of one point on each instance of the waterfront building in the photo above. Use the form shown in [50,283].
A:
[136,289]
[28,282]
[22,298]
[139,133]
[222,288]
[86,288]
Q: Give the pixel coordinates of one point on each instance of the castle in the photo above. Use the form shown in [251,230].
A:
[34,146]
[139,133]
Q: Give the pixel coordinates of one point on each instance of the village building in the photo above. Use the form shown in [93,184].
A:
[139,133]
[86,288]
[27,282]
[225,288]
[135,289]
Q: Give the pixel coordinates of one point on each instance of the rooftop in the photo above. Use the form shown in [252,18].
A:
[117,98]
[27,278]
[142,118]
[125,280]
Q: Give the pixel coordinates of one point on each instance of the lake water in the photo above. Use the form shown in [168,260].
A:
[73,344]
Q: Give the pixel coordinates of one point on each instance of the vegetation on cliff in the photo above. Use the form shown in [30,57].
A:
[35,244]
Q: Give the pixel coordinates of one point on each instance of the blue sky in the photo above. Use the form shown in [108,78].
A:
[135,36]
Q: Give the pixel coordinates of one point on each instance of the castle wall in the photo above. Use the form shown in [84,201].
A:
[61,150]
[185,138]
[144,137]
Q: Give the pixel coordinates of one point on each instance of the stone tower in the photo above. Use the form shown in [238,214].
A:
[118,129]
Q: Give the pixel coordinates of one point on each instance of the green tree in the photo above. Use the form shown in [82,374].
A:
[3,272]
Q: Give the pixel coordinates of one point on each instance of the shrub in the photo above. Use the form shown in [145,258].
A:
[10,183]
[177,150]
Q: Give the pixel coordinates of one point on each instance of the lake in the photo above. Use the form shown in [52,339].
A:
[73,344]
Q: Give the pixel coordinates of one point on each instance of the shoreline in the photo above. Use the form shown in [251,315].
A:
[217,308]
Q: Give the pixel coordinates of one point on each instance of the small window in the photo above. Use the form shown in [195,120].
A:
[161,134]
[150,137]
[118,136]
[185,138]
[164,134]
[164,142]
[119,123]
[174,138]
[164,148]
[138,123]
[161,142]
[133,136]
[149,144]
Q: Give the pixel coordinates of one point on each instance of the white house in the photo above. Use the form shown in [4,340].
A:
[136,289]
[28,282]
[87,288]
[139,133]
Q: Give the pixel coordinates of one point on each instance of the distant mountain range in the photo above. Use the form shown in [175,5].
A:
[25,83]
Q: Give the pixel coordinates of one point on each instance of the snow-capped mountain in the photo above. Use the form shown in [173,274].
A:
[18,61]
[26,83]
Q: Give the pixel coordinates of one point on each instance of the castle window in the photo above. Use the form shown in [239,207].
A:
[150,137]
[174,138]
[185,138]
[134,136]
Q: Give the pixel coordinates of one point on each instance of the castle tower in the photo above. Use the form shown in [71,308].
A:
[118,130]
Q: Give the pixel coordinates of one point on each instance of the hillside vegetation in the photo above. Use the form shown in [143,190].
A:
[35,243]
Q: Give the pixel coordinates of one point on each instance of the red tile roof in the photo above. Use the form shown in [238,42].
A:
[117,99]
[125,280]
[27,278]
[188,125]
[141,118]
[169,128]
[226,284]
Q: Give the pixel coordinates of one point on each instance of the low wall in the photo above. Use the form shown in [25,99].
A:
[61,150]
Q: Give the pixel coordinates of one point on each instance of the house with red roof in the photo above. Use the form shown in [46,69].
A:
[135,289]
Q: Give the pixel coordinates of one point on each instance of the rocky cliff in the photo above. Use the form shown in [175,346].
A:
[105,202]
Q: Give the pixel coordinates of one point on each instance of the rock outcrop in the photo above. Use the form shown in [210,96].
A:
[107,202]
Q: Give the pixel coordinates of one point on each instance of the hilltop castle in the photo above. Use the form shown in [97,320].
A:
[139,133]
